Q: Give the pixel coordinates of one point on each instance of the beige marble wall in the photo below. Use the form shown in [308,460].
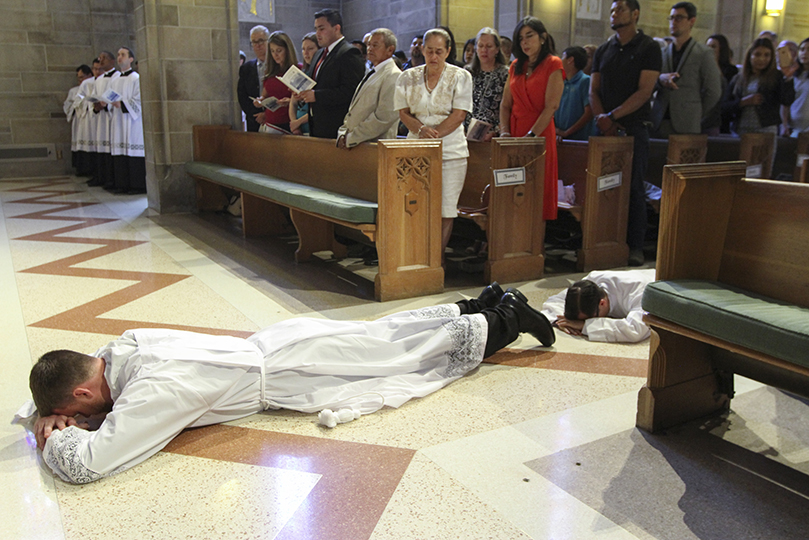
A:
[730,17]
[467,17]
[42,42]
[189,68]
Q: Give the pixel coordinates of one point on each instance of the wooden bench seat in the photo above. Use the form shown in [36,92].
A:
[733,260]
[390,192]
[311,199]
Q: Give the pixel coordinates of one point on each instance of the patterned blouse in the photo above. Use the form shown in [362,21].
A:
[487,93]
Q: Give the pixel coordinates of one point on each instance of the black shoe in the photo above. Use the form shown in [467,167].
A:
[93,182]
[531,320]
[491,295]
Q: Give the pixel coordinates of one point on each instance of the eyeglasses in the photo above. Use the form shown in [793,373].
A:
[678,18]
[258,41]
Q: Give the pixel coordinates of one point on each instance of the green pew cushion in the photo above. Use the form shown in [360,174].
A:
[763,324]
[311,199]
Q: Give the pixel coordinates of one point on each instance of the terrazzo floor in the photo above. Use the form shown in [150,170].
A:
[535,443]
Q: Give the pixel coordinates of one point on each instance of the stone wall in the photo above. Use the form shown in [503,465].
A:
[188,68]
[405,17]
[294,17]
[467,17]
[42,42]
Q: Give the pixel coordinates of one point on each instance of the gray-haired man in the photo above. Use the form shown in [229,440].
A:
[371,115]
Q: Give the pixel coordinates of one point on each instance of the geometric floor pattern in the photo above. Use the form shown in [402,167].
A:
[535,443]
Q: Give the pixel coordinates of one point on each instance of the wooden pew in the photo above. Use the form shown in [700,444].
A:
[603,213]
[724,231]
[402,177]
[512,215]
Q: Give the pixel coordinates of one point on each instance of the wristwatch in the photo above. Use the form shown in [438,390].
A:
[611,117]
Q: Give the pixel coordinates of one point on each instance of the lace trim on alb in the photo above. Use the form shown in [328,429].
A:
[468,335]
[63,456]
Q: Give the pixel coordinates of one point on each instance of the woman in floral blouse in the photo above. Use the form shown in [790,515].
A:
[489,75]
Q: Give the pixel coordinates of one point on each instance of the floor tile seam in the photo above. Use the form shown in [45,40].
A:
[216,283]
[314,439]
[145,278]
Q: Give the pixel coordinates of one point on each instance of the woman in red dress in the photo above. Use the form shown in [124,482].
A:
[280,55]
[531,96]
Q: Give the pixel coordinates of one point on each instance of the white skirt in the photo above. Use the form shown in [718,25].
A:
[453,177]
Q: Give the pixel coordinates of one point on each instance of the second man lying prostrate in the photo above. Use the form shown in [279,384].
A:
[604,306]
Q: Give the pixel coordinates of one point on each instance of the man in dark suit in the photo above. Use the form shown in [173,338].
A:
[337,68]
[250,78]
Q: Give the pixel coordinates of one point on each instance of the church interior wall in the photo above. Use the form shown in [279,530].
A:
[188,58]
[405,17]
[43,42]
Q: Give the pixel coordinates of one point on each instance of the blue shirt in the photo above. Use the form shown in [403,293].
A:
[575,97]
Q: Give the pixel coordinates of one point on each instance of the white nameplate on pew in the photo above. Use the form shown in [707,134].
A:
[801,157]
[509,177]
[753,171]
[610,181]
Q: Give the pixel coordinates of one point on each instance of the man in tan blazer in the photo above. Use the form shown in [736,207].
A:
[371,115]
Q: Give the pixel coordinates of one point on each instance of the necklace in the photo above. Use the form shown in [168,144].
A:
[427,78]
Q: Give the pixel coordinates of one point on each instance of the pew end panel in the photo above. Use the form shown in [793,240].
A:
[606,210]
[758,149]
[409,219]
[515,218]
[511,216]
[694,215]
[684,149]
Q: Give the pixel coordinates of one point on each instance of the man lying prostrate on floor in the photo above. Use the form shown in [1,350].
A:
[149,385]
[604,306]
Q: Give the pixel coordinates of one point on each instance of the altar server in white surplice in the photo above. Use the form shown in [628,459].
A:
[86,125]
[604,306]
[70,106]
[102,112]
[126,136]
[148,385]
[371,115]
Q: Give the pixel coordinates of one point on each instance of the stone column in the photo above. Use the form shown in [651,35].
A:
[189,66]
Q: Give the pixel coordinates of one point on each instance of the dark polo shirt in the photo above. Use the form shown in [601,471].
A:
[620,67]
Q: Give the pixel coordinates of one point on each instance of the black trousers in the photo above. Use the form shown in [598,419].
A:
[129,173]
